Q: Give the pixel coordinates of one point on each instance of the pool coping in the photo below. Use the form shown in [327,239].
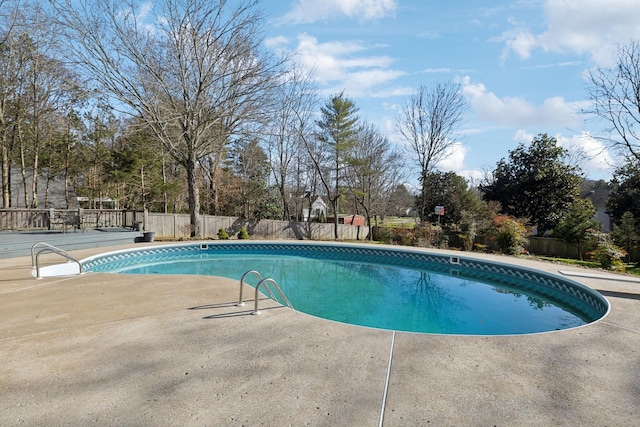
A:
[60,366]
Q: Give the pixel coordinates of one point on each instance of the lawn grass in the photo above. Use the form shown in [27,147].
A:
[587,264]
[397,221]
[632,269]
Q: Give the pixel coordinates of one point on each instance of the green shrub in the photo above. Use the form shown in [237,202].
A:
[608,255]
[222,234]
[386,235]
[243,235]
[511,237]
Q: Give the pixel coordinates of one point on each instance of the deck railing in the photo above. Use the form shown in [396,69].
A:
[65,219]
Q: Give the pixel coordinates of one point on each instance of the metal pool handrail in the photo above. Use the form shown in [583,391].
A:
[255,272]
[35,258]
[263,281]
[260,283]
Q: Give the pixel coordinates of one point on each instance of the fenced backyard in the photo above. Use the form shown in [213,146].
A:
[173,226]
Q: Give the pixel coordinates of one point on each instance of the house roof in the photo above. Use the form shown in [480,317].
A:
[598,197]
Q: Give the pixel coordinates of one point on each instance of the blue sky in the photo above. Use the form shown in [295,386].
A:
[521,64]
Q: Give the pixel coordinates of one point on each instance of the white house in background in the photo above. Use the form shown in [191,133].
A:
[318,208]
[599,199]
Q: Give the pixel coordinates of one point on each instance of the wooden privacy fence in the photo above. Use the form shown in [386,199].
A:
[178,225]
[549,246]
[170,225]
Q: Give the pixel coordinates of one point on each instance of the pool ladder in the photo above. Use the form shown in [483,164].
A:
[268,289]
[35,257]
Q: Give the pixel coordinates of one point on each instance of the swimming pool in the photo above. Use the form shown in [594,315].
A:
[383,287]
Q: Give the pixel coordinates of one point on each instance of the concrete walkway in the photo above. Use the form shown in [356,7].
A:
[104,349]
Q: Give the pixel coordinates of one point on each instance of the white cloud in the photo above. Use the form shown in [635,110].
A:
[308,11]
[446,70]
[586,27]
[523,137]
[473,176]
[276,43]
[517,111]
[589,153]
[453,160]
[520,41]
[145,10]
[344,66]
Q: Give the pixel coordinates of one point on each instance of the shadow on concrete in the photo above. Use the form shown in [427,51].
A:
[625,295]
[236,313]
[210,306]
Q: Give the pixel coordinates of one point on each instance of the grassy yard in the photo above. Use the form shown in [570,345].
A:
[396,221]
[632,269]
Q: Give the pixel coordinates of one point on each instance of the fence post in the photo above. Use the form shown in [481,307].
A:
[51,215]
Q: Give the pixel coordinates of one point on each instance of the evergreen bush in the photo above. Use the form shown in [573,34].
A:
[222,234]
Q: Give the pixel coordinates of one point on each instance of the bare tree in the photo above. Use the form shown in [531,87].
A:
[194,71]
[291,121]
[48,89]
[374,171]
[429,123]
[8,82]
[615,96]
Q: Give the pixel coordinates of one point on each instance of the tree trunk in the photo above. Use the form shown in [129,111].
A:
[47,187]
[335,218]
[67,165]
[165,196]
[194,196]
[23,166]
[6,178]
[424,191]
[34,183]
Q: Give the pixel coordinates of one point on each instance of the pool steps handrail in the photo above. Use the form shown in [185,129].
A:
[35,257]
[254,272]
[261,279]
[273,282]
[268,289]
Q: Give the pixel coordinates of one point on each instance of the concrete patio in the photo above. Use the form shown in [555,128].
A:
[105,349]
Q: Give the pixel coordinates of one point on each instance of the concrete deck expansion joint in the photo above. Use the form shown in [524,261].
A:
[386,382]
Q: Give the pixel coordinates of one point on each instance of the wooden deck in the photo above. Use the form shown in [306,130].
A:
[18,243]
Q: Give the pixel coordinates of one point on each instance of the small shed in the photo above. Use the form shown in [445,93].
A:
[357,220]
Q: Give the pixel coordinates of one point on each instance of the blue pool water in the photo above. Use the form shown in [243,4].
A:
[389,289]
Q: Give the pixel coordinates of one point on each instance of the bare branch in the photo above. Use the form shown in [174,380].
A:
[615,96]
[430,121]
[193,71]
